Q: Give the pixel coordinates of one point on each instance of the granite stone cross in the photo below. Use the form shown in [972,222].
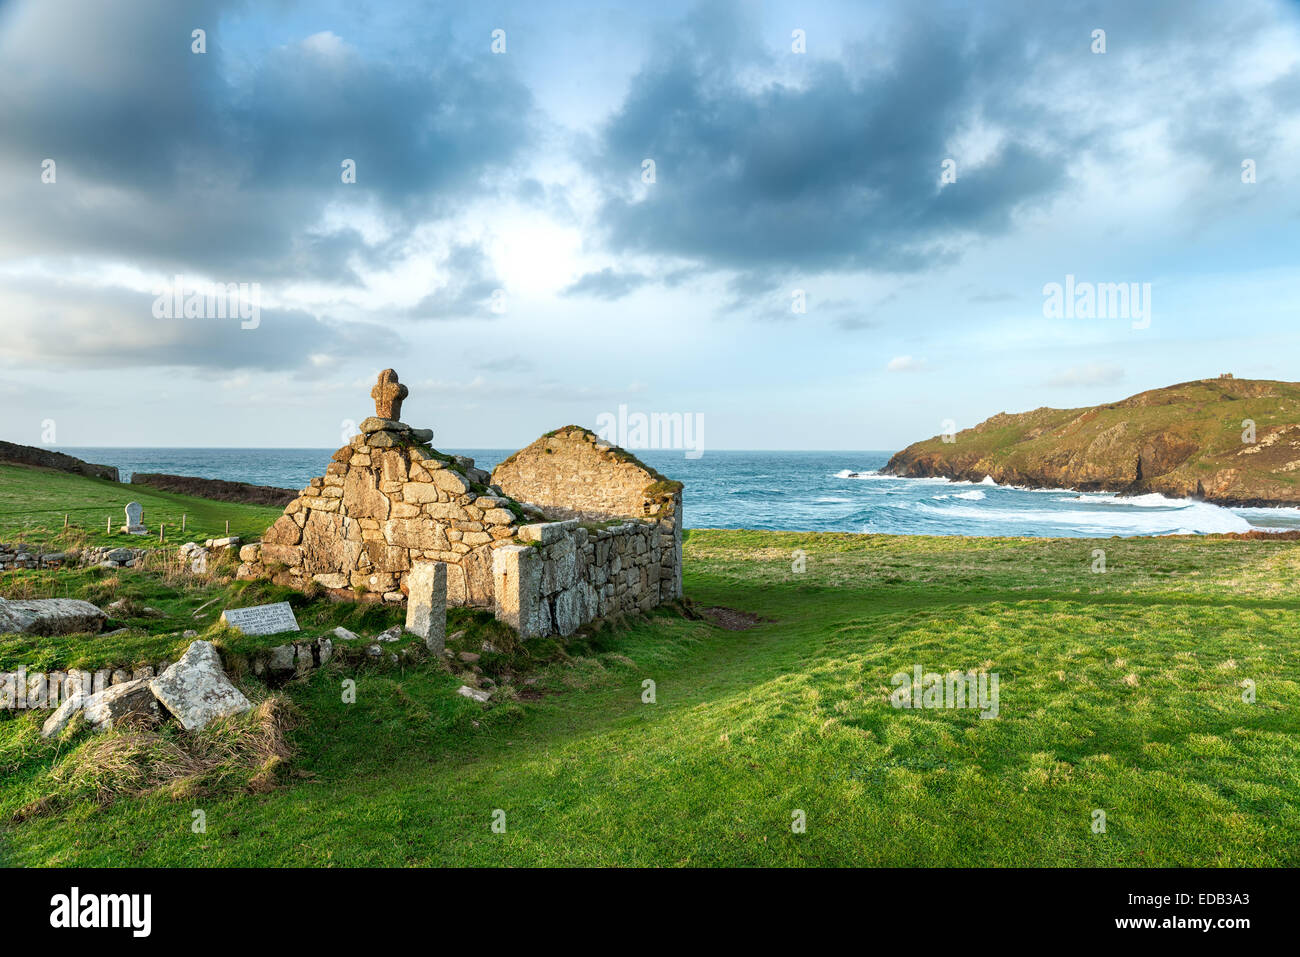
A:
[388,394]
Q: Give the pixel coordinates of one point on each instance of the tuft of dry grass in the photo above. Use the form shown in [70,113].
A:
[139,757]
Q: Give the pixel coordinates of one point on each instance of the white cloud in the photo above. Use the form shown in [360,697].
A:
[905,364]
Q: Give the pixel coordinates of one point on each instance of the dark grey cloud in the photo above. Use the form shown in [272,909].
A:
[839,171]
[767,160]
[608,284]
[210,162]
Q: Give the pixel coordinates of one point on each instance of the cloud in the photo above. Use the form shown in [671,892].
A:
[835,171]
[608,284]
[71,325]
[467,290]
[904,364]
[1087,375]
[231,165]
[773,161]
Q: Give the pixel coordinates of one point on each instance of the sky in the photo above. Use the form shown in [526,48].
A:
[808,225]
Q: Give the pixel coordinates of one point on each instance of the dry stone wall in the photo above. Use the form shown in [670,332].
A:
[568,574]
[389,502]
[619,549]
[385,502]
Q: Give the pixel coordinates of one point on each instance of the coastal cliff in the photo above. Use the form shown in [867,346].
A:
[1227,441]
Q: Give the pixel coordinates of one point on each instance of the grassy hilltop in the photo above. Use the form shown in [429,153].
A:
[1120,691]
[1184,440]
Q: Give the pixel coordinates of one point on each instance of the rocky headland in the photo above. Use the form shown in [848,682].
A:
[1228,441]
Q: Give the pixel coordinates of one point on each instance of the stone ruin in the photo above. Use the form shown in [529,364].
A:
[565,531]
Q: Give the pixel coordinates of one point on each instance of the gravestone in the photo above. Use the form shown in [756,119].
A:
[261,619]
[134,513]
[426,604]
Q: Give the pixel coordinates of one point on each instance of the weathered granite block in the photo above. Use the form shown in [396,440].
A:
[517,580]
[545,533]
[426,603]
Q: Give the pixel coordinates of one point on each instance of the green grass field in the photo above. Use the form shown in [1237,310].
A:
[34,503]
[1120,692]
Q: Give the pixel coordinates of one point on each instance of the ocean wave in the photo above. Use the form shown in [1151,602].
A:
[973,495]
[1149,500]
[1198,518]
[1280,513]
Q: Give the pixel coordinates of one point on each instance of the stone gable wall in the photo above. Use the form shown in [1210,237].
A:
[572,473]
[356,530]
[616,550]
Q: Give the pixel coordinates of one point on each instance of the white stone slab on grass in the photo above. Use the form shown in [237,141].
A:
[261,619]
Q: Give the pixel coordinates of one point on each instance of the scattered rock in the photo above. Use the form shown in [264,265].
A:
[392,634]
[281,660]
[469,657]
[50,616]
[130,697]
[479,696]
[342,634]
[196,690]
[65,713]
[304,659]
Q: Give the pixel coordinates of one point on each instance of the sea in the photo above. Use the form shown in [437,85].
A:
[795,491]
